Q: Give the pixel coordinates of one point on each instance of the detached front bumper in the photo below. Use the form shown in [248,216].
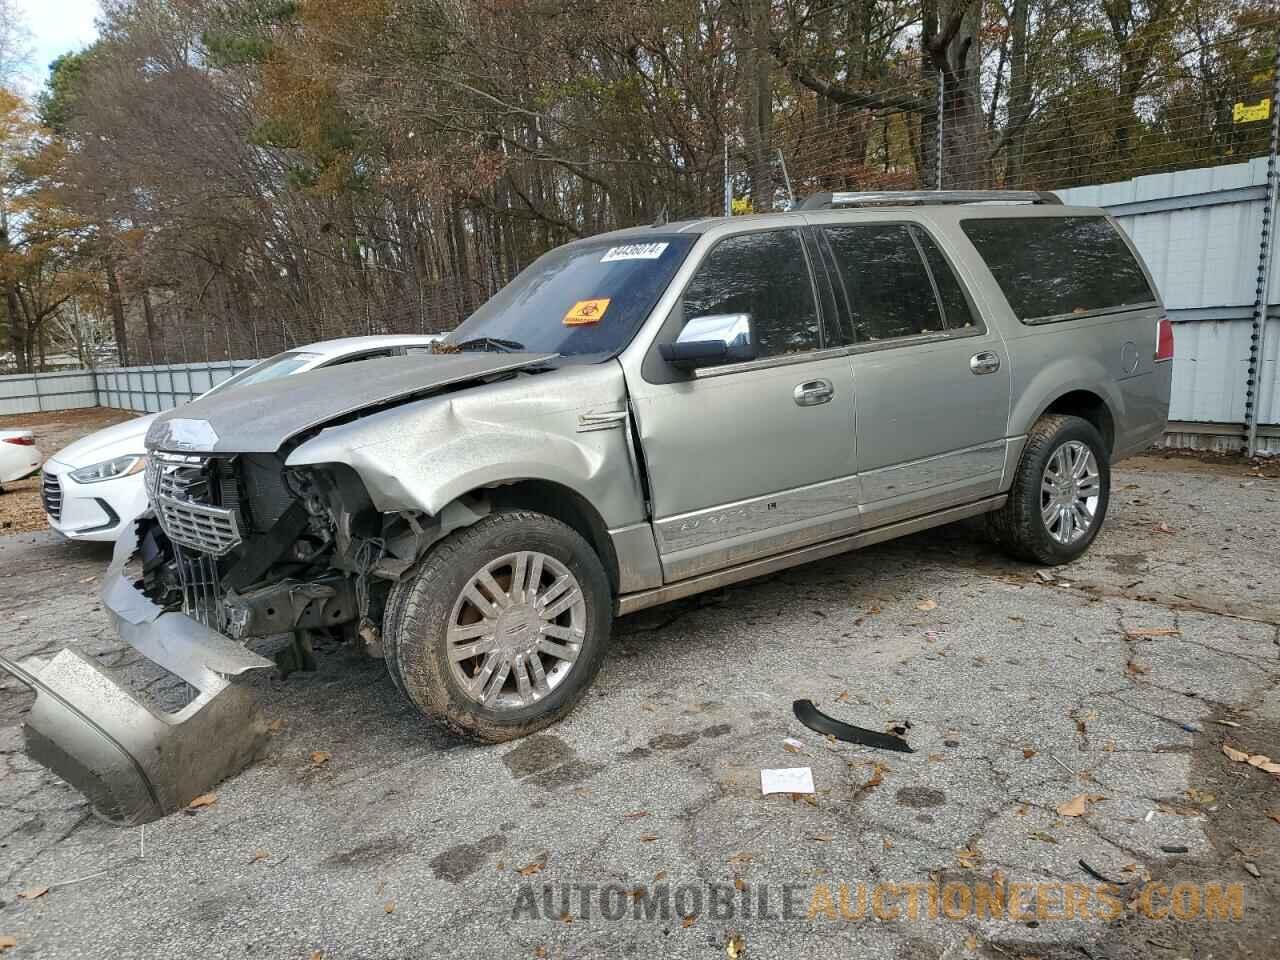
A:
[133,761]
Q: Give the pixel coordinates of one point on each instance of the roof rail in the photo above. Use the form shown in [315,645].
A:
[829,201]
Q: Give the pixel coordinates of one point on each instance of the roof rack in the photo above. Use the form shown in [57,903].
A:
[829,201]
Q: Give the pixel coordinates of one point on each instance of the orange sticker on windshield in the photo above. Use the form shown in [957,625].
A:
[586,311]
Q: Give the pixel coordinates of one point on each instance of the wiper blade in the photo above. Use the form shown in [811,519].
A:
[490,343]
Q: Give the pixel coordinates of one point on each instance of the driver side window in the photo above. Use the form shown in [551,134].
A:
[765,275]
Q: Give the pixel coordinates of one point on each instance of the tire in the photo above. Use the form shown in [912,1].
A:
[1020,527]
[533,678]
[392,617]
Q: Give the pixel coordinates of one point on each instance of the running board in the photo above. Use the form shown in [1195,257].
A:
[642,600]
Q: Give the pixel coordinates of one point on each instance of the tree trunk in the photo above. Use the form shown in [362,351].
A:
[1019,96]
[117,311]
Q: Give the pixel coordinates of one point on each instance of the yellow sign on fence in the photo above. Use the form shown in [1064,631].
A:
[1247,113]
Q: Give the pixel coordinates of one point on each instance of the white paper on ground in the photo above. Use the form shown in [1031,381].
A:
[787,780]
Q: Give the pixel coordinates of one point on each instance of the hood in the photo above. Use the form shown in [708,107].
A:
[117,440]
[261,417]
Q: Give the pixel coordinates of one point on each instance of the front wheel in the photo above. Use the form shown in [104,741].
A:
[1060,492]
[504,626]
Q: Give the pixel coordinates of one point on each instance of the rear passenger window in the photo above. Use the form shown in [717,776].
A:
[885,282]
[767,276]
[955,305]
[1054,267]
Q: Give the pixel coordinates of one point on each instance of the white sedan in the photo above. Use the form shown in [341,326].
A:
[94,488]
[19,456]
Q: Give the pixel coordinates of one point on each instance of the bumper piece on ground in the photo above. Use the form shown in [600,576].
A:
[133,761]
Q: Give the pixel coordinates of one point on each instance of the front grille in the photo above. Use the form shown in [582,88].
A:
[179,487]
[51,495]
[201,589]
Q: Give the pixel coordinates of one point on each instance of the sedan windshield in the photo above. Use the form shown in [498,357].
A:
[281,365]
[584,299]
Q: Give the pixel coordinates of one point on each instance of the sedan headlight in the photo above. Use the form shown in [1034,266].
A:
[110,469]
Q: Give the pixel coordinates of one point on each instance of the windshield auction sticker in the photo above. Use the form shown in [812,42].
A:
[586,311]
[634,251]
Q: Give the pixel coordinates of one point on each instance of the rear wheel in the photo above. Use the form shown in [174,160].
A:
[1060,492]
[504,626]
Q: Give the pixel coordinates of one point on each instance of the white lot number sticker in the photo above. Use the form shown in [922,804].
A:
[634,251]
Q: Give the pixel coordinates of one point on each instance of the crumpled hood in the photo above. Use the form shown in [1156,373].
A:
[117,440]
[261,417]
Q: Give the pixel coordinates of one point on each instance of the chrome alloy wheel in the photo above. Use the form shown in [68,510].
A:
[1069,492]
[516,630]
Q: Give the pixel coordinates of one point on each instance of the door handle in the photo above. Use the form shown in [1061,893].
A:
[813,392]
[985,362]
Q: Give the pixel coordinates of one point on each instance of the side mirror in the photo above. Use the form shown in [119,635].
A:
[711,340]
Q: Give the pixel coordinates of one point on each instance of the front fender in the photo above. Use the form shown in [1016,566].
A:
[424,455]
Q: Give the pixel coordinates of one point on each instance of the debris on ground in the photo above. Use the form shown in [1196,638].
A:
[1078,805]
[816,720]
[787,780]
[1098,875]
[1259,760]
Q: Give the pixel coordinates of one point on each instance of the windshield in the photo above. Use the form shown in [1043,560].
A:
[579,300]
[281,365]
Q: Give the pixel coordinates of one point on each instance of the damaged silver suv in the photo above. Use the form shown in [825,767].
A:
[637,417]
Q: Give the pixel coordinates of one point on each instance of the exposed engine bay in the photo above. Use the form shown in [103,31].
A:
[250,547]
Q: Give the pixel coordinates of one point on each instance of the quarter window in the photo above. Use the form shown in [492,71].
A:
[1056,267]
[955,305]
[885,281]
[767,276]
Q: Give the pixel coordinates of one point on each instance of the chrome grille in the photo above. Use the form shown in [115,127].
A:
[179,491]
[201,589]
[51,495]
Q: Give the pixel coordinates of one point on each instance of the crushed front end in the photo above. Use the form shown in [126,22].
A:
[235,548]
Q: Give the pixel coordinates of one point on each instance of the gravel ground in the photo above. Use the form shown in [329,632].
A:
[1114,679]
[20,510]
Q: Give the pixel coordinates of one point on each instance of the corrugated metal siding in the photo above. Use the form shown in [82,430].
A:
[1198,231]
[145,389]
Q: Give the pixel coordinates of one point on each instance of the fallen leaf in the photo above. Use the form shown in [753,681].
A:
[1135,668]
[1258,760]
[539,952]
[1045,837]
[319,758]
[7,943]
[735,946]
[689,921]
[635,815]
[275,726]
[1252,868]
[1027,753]
[88,579]
[259,855]
[887,843]
[662,875]
[843,698]
[1078,805]
[317,955]
[1202,797]
[204,800]
[739,884]
[822,837]
[927,605]
[1274,815]
[648,837]
[740,858]
[638,892]
[1239,756]
[969,857]
[1162,528]
[529,869]
[390,907]
[971,943]
[566,918]
[34,893]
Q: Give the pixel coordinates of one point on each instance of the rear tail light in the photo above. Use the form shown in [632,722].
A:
[20,441]
[1164,340]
